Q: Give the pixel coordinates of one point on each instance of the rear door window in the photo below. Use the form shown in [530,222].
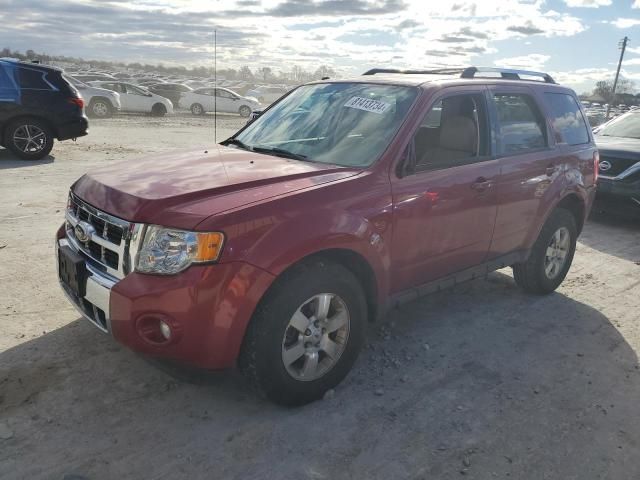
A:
[567,118]
[521,125]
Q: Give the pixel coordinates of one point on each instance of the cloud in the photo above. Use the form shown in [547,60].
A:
[636,4]
[534,61]
[527,29]
[626,22]
[294,8]
[588,3]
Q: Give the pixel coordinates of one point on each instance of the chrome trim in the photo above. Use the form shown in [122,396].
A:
[98,292]
[626,173]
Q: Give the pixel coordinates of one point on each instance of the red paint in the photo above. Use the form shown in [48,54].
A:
[274,212]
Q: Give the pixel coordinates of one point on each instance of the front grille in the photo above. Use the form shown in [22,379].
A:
[107,246]
[618,165]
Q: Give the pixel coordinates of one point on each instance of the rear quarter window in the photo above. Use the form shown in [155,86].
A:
[567,118]
[33,79]
[8,90]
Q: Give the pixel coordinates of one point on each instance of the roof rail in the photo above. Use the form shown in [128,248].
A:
[436,71]
[505,73]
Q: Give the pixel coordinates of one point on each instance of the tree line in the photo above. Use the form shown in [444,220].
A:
[297,74]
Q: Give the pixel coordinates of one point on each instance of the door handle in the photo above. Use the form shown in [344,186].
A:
[481,184]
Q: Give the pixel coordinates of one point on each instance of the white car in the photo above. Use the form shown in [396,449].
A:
[138,99]
[100,102]
[267,94]
[205,100]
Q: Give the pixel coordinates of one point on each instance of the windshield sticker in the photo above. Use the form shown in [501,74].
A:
[368,105]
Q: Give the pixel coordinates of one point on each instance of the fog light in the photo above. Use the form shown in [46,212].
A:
[165,330]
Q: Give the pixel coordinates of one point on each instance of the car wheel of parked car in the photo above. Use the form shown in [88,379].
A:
[305,336]
[551,255]
[29,139]
[159,110]
[197,109]
[244,111]
[100,108]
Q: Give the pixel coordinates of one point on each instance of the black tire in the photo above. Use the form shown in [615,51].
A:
[531,275]
[197,109]
[261,356]
[244,111]
[100,108]
[25,149]
[158,110]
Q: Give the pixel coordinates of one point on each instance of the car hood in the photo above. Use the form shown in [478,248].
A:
[620,147]
[182,189]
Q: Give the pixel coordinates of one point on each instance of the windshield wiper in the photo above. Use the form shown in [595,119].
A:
[280,153]
[237,143]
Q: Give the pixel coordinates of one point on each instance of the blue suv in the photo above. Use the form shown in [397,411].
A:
[37,105]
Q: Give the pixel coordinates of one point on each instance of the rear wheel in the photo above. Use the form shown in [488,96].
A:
[159,110]
[29,139]
[551,255]
[244,111]
[305,337]
[100,108]
[197,109]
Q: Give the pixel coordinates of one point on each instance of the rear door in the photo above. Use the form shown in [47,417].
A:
[444,199]
[9,93]
[530,166]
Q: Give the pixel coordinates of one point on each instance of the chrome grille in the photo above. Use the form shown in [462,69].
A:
[107,247]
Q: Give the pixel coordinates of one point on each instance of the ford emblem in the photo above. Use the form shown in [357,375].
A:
[83,231]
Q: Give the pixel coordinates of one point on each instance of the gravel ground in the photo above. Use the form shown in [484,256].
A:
[481,381]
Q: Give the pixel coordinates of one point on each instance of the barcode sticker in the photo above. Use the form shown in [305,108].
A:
[368,105]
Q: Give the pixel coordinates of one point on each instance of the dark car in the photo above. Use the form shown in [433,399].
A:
[37,105]
[172,91]
[345,198]
[619,181]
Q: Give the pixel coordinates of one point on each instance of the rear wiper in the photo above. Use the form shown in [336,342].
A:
[237,143]
[280,153]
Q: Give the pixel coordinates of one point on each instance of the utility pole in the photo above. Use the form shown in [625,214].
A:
[623,47]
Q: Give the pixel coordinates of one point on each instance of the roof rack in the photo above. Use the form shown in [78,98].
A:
[469,72]
[435,71]
[506,73]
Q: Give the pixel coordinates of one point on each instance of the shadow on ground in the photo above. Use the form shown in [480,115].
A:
[9,160]
[482,380]
[602,230]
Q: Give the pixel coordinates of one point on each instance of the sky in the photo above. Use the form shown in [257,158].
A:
[574,40]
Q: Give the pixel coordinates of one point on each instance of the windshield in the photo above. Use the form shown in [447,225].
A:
[627,126]
[347,124]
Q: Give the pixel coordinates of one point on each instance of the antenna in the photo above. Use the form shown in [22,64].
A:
[215,86]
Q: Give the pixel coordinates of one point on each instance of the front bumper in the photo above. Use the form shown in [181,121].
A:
[621,196]
[208,308]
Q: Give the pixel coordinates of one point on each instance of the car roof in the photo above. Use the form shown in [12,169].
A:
[451,77]
[37,66]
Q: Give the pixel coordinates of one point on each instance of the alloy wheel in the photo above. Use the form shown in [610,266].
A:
[556,254]
[100,109]
[29,139]
[315,337]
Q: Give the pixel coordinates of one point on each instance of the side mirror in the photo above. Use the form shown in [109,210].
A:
[255,114]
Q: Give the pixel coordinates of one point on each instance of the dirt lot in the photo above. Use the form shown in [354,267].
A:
[481,381]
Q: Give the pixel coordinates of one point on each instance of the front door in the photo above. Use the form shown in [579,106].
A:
[444,191]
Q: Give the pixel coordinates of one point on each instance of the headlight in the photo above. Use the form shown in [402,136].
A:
[167,251]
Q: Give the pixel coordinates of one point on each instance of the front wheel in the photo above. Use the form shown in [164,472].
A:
[29,139]
[159,110]
[551,255]
[305,337]
[244,111]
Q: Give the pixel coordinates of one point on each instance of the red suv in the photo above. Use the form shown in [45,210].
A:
[345,198]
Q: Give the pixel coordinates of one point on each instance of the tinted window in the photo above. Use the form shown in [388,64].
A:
[32,79]
[567,118]
[453,132]
[521,124]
